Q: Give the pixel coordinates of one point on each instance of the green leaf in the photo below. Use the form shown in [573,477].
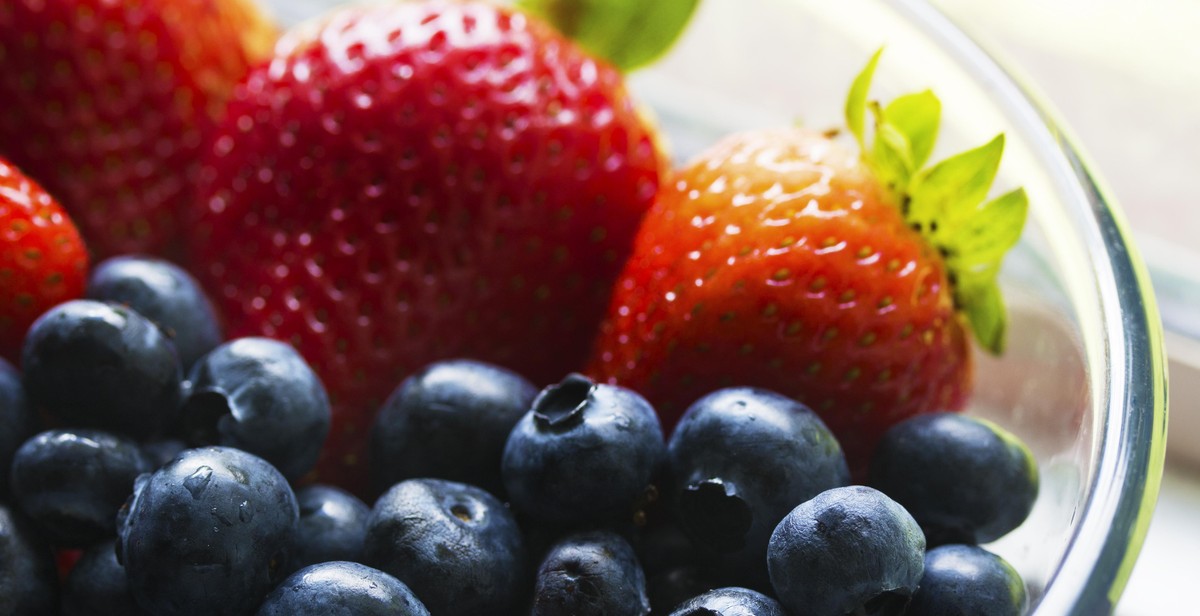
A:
[985,312]
[917,117]
[628,33]
[891,154]
[952,188]
[990,231]
[856,101]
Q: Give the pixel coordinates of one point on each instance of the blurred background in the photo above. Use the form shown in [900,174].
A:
[1125,78]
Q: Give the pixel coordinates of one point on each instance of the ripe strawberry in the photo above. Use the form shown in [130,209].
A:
[108,104]
[421,181]
[779,259]
[42,263]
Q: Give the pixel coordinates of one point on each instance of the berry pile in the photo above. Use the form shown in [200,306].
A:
[763,349]
[746,508]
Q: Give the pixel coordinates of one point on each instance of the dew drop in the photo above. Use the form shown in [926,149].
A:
[198,481]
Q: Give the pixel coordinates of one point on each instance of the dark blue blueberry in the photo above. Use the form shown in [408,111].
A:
[965,580]
[332,526]
[674,585]
[260,396]
[449,421]
[584,453]
[340,588]
[732,601]
[964,480]
[72,482]
[95,365]
[97,586]
[163,293]
[848,550]
[739,460]
[456,546]
[28,579]
[207,534]
[590,574]
[16,421]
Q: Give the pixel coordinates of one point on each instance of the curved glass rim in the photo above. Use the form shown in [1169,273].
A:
[1129,464]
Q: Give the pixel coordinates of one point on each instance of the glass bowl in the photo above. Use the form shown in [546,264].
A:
[1083,378]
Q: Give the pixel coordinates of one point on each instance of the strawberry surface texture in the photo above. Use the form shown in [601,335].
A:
[419,181]
[42,260]
[776,259]
[109,105]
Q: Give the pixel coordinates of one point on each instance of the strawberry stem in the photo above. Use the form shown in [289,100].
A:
[945,202]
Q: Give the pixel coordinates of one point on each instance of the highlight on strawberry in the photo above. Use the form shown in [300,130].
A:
[43,261]
[412,182]
[853,282]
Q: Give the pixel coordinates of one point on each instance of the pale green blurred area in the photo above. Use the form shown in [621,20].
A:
[1125,77]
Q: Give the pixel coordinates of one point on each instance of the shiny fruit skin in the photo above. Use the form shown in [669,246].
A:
[775,260]
[43,261]
[416,182]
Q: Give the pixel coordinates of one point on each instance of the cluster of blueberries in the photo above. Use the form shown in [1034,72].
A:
[174,456]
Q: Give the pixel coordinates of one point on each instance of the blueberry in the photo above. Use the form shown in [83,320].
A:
[590,574]
[28,580]
[340,588]
[72,482]
[965,580]
[16,421]
[332,526]
[456,546]
[260,396]
[95,365]
[847,551]
[584,453]
[449,421]
[731,601]
[207,534]
[97,586]
[739,460]
[163,293]
[964,480]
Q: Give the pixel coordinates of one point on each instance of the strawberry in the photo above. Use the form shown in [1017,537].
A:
[43,261]
[421,181]
[108,104]
[782,260]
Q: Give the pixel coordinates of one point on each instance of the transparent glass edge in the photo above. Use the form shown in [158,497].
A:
[1146,358]
[1139,460]
[1144,349]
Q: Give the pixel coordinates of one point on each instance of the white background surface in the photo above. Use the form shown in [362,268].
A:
[1125,76]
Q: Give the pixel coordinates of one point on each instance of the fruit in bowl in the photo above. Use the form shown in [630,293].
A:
[409,184]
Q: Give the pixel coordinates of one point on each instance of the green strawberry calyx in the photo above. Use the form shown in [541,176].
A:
[944,202]
[628,33]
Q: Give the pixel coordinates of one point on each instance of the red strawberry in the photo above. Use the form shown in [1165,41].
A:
[109,104]
[421,181]
[779,259]
[42,263]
